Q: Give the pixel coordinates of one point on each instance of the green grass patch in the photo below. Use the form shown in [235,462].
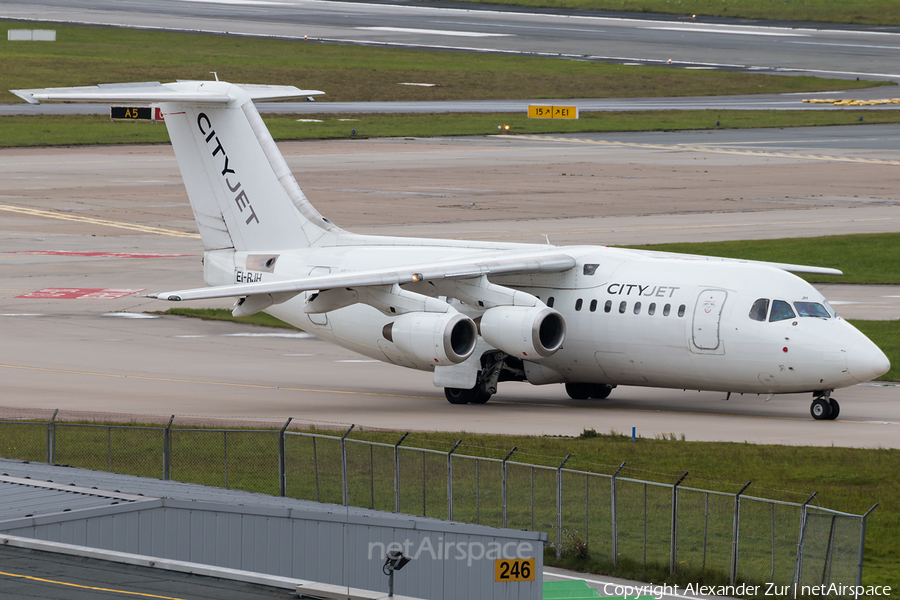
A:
[847,479]
[868,12]
[66,130]
[864,258]
[85,55]
[223,314]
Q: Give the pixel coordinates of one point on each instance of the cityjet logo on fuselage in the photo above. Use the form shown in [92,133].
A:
[654,291]
[241,199]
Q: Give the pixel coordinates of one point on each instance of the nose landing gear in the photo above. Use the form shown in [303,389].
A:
[824,407]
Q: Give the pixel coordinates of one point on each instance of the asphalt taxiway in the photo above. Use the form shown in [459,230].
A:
[85,231]
[677,40]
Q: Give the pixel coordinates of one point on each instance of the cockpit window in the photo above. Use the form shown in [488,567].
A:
[590,268]
[781,310]
[811,309]
[760,309]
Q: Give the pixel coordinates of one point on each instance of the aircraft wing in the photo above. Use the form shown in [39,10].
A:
[547,261]
[154,91]
[783,266]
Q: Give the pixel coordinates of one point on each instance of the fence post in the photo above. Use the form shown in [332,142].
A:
[225,449]
[615,523]
[735,532]
[503,485]
[862,544]
[282,475]
[798,566]
[674,537]
[345,488]
[587,518]
[51,438]
[559,505]
[397,473]
[167,450]
[829,553]
[450,480]
[316,465]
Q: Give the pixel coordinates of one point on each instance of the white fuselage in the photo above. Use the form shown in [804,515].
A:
[636,320]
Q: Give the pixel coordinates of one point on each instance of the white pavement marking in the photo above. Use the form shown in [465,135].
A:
[727,31]
[435,32]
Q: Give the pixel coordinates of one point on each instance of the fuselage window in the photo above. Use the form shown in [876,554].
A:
[608,306]
[666,310]
[637,308]
[622,306]
[590,269]
[781,311]
[651,310]
[593,305]
[681,310]
[550,301]
[578,304]
[811,309]
[760,309]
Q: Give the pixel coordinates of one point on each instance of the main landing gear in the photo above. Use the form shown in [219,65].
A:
[463,396]
[824,407]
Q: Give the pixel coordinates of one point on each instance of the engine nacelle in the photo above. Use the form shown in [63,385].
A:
[438,339]
[524,331]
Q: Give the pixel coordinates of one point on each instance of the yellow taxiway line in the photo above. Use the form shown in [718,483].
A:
[87,587]
[94,221]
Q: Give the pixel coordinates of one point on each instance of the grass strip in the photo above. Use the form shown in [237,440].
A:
[223,314]
[847,479]
[864,258]
[70,130]
[84,55]
[867,12]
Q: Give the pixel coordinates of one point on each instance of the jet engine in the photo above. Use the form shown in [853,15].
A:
[524,332]
[438,339]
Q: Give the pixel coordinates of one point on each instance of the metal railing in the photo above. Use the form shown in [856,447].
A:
[605,515]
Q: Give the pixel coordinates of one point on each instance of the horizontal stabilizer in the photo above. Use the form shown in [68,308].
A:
[530,262]
[153,91]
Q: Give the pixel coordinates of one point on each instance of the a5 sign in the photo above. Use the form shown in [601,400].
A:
[514,569]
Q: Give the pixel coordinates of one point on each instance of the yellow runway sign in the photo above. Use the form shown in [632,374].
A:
[552,112]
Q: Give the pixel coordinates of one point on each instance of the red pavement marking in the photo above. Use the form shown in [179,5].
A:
[80,293]
[98,254]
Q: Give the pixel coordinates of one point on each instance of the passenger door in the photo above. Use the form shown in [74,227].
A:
[707,315]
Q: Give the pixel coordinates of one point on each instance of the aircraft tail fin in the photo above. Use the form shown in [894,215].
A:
[241,190]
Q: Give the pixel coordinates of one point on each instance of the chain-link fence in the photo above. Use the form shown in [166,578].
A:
[605,515]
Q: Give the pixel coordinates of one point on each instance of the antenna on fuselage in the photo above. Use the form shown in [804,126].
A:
[216,75]
[547,237]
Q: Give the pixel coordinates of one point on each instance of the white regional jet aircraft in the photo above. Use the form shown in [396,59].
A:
[477,313]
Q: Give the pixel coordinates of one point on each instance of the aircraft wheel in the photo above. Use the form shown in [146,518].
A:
[458,395]
[835,410]
[463,396]
[820,409]
[601,391]
[579,391]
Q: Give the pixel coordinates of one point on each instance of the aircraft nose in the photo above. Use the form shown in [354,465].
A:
[866,361]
